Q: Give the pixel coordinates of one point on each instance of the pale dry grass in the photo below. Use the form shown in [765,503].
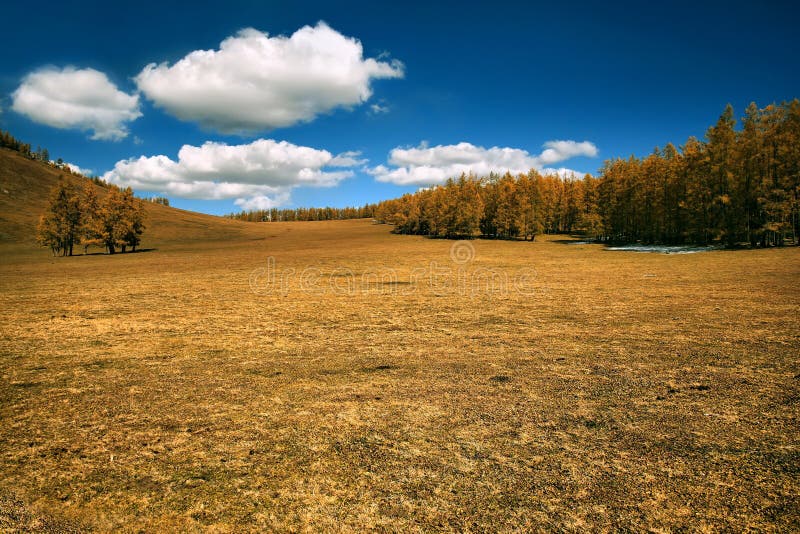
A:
[157,391]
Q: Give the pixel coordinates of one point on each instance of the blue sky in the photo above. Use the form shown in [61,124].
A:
[432,89]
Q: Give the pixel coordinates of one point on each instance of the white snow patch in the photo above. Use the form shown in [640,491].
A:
[663,249]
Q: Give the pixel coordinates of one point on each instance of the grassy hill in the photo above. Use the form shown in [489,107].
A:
[25,185]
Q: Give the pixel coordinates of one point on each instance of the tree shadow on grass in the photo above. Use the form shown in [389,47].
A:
[575,241]
[117,253]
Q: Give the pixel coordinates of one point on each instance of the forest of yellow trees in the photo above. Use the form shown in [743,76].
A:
[739,186]
[305,214]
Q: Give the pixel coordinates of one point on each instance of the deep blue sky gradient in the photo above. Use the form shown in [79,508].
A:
[627,76]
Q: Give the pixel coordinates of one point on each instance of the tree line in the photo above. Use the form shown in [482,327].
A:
[9,141]
[40,154]
[738,186]
[164,201]
[305,214]
[75,216]
[497,206]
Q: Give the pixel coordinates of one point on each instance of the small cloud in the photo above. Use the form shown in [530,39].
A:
[137,140]
[263,202]
[77,169]
[81,99]
[377,109]
[556,151]
[348,159]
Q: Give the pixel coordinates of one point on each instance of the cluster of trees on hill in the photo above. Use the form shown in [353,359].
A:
[76,216]
[737,186]
[40,154]
[306,214]
[164,201]
[9,141]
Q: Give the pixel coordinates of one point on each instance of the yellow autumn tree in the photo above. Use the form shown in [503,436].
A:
[60,226]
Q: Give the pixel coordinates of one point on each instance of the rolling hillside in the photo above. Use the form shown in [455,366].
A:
[25,185]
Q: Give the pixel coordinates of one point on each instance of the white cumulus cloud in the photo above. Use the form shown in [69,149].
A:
[350,158]
[555,151]
[425,166]
[83,99]
[258,174]
[262,202]
[78,169]
[257,82]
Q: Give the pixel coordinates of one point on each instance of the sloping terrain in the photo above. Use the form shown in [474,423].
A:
[26,184]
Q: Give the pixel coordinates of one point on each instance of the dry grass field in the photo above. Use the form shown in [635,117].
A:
[178,389]
[335,377]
